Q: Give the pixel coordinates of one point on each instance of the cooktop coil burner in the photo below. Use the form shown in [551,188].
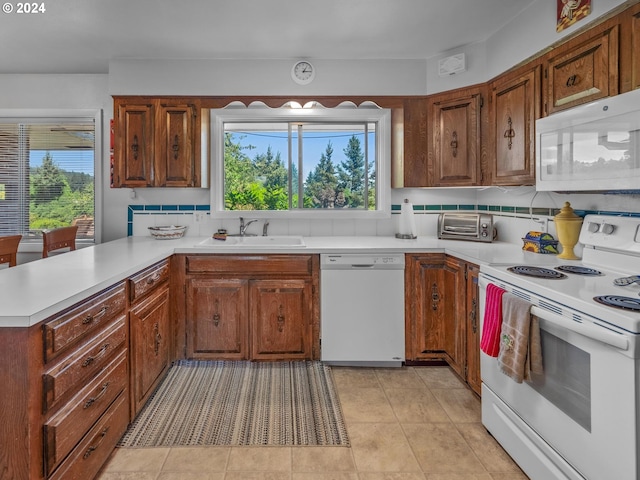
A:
[617,301]
[537,272]
[578,270]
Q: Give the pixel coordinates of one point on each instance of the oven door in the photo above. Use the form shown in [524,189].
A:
[580,415]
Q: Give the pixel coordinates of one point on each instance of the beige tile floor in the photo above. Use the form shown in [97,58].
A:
[412,423]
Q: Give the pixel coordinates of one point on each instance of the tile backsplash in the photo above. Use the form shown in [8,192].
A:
[511,222]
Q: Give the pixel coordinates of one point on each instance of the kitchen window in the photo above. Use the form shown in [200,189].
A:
[48,172]
[301,162]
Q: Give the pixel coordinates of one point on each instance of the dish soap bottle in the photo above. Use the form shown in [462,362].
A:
[568,226]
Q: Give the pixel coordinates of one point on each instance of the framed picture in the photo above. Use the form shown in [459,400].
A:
[571,11]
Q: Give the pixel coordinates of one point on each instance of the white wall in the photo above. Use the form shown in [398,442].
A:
[527,34]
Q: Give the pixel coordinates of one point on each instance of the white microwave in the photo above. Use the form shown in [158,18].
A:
[592,147]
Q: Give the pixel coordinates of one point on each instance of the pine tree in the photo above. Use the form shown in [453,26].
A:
[322,182]
[352,175]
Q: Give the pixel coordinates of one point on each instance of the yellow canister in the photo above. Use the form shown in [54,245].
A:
[568,226]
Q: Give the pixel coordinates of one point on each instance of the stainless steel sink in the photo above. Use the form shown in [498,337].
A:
[269,242]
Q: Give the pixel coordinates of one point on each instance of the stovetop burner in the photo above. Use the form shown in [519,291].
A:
[617,301]
[578,270]
[538,272]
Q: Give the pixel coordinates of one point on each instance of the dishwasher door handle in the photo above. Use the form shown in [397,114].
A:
[362,265]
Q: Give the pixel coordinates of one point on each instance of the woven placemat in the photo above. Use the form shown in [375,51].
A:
[241,403]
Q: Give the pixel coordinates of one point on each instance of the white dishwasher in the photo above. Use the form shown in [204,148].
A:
[362,309]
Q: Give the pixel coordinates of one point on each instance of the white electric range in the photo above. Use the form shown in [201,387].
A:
[580,419]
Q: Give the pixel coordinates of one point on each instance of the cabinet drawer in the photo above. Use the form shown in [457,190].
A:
[67,427]
[145,281]
[84,318]
[73,370]
[87,458]
[251,264]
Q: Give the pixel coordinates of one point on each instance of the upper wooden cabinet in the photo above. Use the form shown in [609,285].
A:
[454,142]
[515,106]
[630,46]
[583,69]
[155,143]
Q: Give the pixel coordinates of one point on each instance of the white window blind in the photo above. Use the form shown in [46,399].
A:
[47,177]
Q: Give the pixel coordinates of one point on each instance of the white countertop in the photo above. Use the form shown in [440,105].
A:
[31,292]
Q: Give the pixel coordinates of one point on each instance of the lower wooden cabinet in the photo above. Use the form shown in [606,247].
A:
[280,318]
[250,307]
[472,370]
[218,321]
[150,340]
[441,313]
[435,309]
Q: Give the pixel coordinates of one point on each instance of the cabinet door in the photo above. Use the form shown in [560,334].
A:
[437,293]
[217,318]
[176,142]
[150,339]
[515,107]
[581,73]
[134,150]
[473,329]
[455,146]
[280,319]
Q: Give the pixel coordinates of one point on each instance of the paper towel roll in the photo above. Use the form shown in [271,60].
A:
[407,220]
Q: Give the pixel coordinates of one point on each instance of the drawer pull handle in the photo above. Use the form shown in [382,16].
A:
[90,318]
[154,279]
[573,80]
[89,360]
[93,400]
[92,448]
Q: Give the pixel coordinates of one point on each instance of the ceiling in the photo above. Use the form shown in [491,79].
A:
[82,36]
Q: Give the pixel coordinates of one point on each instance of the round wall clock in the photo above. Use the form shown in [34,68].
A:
[303,72]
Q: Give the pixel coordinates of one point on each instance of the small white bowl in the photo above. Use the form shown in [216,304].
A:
[167,232]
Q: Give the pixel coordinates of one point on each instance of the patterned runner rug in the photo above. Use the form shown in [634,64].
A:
[241,403]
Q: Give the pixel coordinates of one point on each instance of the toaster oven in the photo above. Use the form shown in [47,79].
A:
[476,227]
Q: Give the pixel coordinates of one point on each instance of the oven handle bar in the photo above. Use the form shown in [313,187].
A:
[599,334]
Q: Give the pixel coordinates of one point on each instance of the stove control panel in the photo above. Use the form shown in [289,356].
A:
[611,232]
[603,227]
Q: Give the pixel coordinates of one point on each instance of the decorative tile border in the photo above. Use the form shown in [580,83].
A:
[506,210]
[133,210]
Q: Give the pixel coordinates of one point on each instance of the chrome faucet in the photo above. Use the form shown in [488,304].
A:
[265,227]
[244,226]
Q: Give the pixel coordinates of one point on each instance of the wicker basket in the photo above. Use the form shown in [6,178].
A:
[168,232]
